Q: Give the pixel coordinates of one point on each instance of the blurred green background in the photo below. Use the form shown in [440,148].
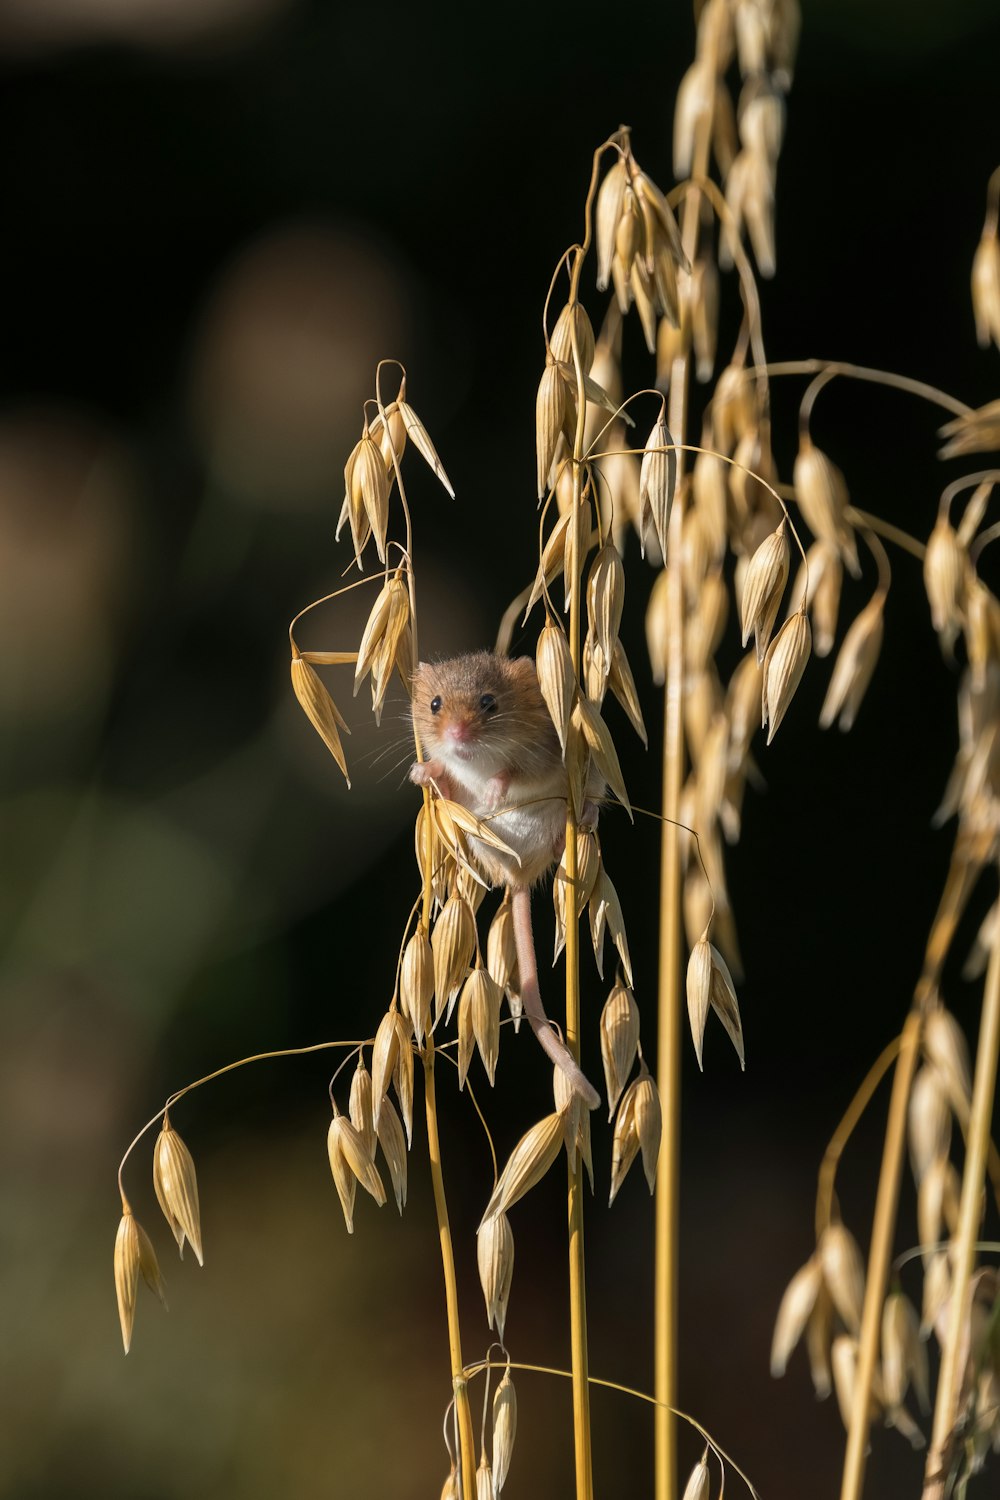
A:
[218,214]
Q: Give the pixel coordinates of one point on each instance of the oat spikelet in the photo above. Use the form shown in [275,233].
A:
[904,1355]
[416,983]
[986,288]
[349,1159]
[610,200]
[944,579]
[393,1144]
[605,602]
[176,1186]
[529,1161]
[657,482]
[561,342]
[699,1480]
[320,709]
[605,911]
[852,671]
[576,1122]
[796,1309]
[501,956]
[495,1257]
[763,586]
[945,1048]
[504,1430]
[484,1479]
[418,435]
[551,405]
[619,1040]
[843,1273]
[134,1254]
[452,942]
[481,999]
[384,635]
[784,665]
[622,684]
[359,1107]
[602,747]
[823,499]
[556,677]
[929,1120]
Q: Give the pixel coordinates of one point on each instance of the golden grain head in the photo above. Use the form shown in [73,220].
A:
[416,983]
[763,586]
[761,117]
[484,1479]
[936,1293]
[946,1050]
[602,748]
[528,1163]
[402,1077]
[550,415]
[750,198]
[797,1304]
[843,1273]
[699,1481]
[393,1143]
[353,1153]
[504,1429]
[819,1331]
[501,949]
[692,110]
[657,483]
[484,997]
[976,431]
[556,677]
[320,709]
[619,1040]
[624,1141]
[577,535]
[622,684]
[610,200]
[344,1179]
[606,600]
[384,1054]
[359,1107]
[844,1362]
[573,320]
[929,1122]
[134,1256]
[658,626]
[699,992]
[937,1201]
[176,1186]
[784,665]
[855,664]
[904,1355]
[704,302]
[986,288]
[821,490]
[452,1489]
[452,942]
[605,912]
[418,435]
[495,1258]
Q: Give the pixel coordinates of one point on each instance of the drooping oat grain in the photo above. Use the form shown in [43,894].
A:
[176,1187]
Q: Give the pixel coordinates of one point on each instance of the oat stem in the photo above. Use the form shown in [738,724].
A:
[458,1379]
[876,377]
[842,1134]
[574,1206]
[977,1147]
[883,1227]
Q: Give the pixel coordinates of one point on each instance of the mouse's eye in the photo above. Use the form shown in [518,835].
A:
[488,703]
[435,705]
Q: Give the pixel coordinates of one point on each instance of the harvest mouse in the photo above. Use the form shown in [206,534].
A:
[491,746]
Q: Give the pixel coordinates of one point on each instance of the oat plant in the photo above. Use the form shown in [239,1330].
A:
[723,548]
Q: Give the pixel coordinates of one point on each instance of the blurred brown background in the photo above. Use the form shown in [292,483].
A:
[217,217]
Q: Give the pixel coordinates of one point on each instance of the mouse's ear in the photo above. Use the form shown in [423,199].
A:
[523,668]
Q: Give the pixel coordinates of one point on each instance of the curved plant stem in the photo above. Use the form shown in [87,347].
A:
[835,1150]
[466,1438]
[883,1227]
[977,1147]
[875,377]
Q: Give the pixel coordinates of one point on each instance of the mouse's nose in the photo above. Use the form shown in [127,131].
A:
[459,731]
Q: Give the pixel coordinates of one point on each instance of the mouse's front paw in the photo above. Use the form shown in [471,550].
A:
[423,772]
[495,791]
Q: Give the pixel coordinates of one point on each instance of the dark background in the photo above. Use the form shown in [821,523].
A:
[216,218]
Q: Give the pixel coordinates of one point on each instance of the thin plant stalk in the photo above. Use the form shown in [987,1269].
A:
[668,1052]
[976,1151]
[579,1354]
[466,1439]
[883,1229]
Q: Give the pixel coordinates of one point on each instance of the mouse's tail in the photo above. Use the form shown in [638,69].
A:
[527,966]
